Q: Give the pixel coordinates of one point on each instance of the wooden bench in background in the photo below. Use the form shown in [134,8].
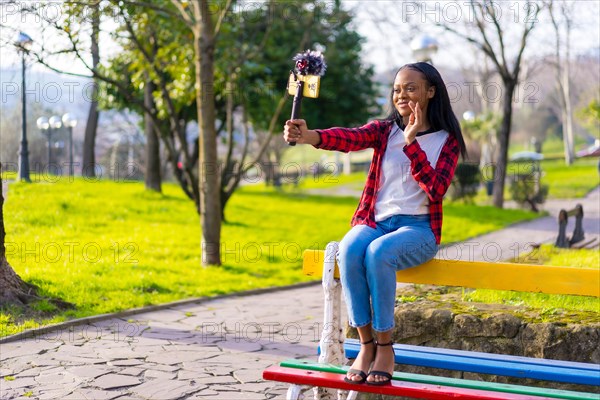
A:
[328,373]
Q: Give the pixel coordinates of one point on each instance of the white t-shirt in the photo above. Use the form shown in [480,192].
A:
[399,193]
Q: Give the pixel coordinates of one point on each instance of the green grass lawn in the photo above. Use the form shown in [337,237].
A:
[107,246]
[574,181]
[564,182]
[553,147]
[327,180]
[549,305]
[571,181]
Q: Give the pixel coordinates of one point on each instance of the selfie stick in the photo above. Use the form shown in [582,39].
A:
[305,80]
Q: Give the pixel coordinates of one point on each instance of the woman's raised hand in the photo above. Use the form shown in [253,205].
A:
[415,122]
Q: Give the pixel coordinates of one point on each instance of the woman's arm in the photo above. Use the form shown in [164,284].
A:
[434,181]
[340,139]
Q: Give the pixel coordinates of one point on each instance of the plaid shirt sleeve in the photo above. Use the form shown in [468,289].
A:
[434,181]
[351,139]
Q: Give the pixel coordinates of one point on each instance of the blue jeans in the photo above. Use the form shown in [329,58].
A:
[368,259]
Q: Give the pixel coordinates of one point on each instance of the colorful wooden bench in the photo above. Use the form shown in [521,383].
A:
[327,375]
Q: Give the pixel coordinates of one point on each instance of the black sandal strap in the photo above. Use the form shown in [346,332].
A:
[383,374]
[368,341]
[385,344]
[388,378]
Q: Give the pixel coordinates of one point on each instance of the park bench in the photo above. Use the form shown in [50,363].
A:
[576,239]
[327,375]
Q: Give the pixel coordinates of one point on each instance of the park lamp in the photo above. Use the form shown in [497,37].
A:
[70,122]
[469,116]
[47,126]
[23,45]
[43,124]
[423,48]
[24,42]
[55,122]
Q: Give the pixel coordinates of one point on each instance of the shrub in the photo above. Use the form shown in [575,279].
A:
[527,189]
[466,182]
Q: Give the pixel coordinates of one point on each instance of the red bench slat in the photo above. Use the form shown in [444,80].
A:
[396,388]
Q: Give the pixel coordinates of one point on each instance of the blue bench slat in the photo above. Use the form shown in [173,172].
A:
[493,366]
[490,356]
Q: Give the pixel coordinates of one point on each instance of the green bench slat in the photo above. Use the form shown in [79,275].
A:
[444,381]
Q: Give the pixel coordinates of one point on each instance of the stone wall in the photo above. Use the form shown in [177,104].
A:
[450,323]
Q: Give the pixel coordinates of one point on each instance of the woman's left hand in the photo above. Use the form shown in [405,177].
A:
[415,122]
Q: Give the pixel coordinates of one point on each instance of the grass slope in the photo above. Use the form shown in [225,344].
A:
[107,246]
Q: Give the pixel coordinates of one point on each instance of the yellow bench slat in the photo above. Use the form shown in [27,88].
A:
[484,275]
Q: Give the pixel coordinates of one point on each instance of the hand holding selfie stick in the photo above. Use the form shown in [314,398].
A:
[305,80]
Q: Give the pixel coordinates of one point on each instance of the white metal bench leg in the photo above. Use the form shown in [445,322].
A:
[332,335]
[352,395]
[294,392]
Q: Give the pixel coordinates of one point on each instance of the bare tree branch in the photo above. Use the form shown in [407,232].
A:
[495,20]
[152,6]
[152,63]
[526,32]
[486,45]
[222,17]
[189,21]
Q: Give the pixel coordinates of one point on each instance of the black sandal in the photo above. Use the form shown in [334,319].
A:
[381,373]
[362,374]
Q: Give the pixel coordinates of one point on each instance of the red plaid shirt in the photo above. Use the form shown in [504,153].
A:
[375,134]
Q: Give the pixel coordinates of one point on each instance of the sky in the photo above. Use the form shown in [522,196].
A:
[384,24]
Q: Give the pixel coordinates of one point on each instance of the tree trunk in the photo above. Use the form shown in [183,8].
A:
[12,288]
[89,142]
[2,231]
[503,142]
[562,77]
[153,178]
[210,205]
[568,112]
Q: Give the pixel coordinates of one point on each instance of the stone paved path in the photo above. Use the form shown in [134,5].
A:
[212,349]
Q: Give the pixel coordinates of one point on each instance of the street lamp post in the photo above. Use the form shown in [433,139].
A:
[44,126]
[70,123]
[55,123]
[423,48]
[23,44]
[48,126]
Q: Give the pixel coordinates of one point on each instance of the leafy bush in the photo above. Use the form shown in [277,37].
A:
[527,190]
[466,182]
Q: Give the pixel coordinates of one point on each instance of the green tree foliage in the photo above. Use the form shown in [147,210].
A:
[589,117]
[481,127]
[253,57]
[255,77]
[157,48]
[347,94]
